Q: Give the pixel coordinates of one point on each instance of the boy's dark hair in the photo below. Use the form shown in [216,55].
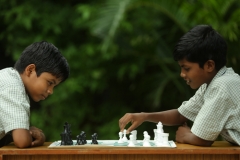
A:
[46,57]
[200,44]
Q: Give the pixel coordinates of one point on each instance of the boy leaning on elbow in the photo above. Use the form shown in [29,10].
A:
[39,69]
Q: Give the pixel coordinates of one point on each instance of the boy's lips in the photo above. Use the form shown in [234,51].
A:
[44,97]
[188,82]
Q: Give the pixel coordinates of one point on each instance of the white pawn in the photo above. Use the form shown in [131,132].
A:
[120,137]
[146,142]
[124,139]
[144,135]
[131,141]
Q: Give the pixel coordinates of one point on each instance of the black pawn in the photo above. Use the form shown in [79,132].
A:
[94,138]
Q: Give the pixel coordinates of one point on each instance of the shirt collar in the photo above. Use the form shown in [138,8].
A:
[220,72]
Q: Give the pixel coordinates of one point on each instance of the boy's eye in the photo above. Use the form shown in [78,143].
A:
[50,83]
[186,69]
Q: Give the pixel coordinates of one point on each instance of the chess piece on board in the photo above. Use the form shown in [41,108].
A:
[165,139]
[146,141]
[144,135]
[155,135]
[81,138]
[161,137]
[131,141]
[94,138]
[124,139]
[66,135]
[134,133]
[120,137]
[84,137]
[160,127]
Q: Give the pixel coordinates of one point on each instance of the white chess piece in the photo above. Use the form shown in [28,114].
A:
[162,138]
[159,132]
[144,135]
[120,137]
[160,127]
[131,141]
[155,135]
[146,142]
[165,139]
[124,139]
[134,133]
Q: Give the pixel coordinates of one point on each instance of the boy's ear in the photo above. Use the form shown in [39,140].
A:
[210,65]
[30,69]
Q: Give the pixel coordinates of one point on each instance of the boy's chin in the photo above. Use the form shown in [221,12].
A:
[194,87]
[36,99]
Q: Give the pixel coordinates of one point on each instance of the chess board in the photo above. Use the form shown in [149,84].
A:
[105,143]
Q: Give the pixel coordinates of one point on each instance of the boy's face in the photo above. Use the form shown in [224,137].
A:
[196,76]
[39,88]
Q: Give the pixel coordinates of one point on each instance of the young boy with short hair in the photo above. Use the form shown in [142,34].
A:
[39,69]
[215,107]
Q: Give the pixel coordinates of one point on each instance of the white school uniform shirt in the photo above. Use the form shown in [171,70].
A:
[215,109]
[14,102]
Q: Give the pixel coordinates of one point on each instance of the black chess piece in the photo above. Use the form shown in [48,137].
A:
[63,139]
[66,137]
[94,138]
[81,138]
[84,137]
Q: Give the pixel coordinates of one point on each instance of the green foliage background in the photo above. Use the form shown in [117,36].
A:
[119,52]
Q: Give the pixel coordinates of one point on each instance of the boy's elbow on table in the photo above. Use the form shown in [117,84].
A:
[22,138]
[204,143]
[22,144]
[207,144]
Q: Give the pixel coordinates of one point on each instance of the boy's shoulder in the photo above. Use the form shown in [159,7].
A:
[8,72]
[228,75]
[226,79]
[9,76]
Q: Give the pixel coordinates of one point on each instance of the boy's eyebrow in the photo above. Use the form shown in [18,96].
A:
[183,65]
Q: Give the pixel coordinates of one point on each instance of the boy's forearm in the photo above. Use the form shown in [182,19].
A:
[190,138]
[169,117]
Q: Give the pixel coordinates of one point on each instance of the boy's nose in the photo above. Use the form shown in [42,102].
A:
[50,91]
[182,75]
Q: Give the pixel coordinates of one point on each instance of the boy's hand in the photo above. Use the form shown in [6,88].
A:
[135,118]
[37,135]
[182,132]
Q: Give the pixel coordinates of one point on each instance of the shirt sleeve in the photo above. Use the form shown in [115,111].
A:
[190,108]
[214,113]
[15,108]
